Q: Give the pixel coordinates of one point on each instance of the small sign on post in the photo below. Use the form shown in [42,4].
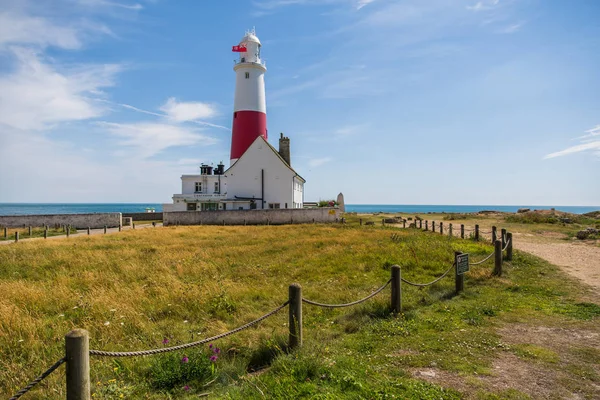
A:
[462,263]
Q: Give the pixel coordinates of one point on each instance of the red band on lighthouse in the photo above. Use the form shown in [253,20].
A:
[247,126]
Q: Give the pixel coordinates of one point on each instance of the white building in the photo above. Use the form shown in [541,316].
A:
[260,177]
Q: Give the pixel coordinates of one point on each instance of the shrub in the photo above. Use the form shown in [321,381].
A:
[173,370]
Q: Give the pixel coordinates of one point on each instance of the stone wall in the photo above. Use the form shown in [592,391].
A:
[252,217]
[155,216]
[79,221]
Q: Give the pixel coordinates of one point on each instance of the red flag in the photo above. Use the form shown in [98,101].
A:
[239,49]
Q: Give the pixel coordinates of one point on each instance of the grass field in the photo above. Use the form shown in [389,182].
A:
[35,233]
[160,287]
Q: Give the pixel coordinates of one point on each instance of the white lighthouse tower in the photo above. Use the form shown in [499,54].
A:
[250,108]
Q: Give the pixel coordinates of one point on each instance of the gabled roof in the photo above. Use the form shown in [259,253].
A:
[274,151]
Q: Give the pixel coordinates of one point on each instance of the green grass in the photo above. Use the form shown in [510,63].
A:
[35,233]
[135,289]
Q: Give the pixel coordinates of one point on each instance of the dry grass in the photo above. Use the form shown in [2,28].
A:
[133,289]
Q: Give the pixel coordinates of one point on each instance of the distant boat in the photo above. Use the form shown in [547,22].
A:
[150,209]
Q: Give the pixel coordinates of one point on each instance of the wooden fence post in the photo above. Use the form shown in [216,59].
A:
[509,247]
[105,229]
[450,230]
[477,232]
[154,224]
[89,232]
[77,346]
[16,237]
[420,224]
[30,231]
[68,230]
[360,220]
[5,232]
[494,234]
[396,303]
[120,227]
[426,225]
[404,223]
[433,226]
[503,237]
[46,233]
[295,320]
[133,225]
[459,279]
[441,228]
[383,221]
[462,231]
[497,258]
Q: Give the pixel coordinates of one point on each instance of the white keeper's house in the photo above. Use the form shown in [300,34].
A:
[259,176]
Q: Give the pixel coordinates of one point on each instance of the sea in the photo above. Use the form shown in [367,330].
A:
[79,208]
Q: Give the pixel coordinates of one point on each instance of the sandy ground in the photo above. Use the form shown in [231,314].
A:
[580,260]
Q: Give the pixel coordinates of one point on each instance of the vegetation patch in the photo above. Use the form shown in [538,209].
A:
[160,287]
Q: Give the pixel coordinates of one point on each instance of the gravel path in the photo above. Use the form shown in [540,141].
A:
[577,259]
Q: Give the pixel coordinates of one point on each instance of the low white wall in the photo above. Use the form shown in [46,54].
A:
[94,221]
[252,217]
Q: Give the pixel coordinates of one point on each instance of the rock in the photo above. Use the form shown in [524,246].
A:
[523,210]
[586,233]
[369,223]
[391,220]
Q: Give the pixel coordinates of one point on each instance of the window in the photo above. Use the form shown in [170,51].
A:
[274,205]
[216,187]
[247,75]
[198,187]
[285,205]
[191,206]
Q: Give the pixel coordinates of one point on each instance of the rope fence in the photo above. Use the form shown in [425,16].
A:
[314,303]
[187,345]
[38,379]
[429,283]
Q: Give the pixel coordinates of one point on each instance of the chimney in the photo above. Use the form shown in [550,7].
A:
[284,149]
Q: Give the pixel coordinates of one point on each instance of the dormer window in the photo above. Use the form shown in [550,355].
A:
[247,75]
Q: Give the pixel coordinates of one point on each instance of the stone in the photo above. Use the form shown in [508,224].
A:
[523,210]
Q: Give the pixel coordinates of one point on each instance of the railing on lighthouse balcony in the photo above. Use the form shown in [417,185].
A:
[243,61]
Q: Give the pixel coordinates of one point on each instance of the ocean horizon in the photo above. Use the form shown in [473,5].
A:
[83,208]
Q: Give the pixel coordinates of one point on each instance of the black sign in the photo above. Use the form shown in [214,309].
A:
[462,263]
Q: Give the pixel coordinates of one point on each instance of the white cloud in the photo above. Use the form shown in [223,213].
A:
[36,96]
[595,131]
[315,162]
[191,111]
[589,144]
[362,3]
[16,28]
[148,139]
[483,5]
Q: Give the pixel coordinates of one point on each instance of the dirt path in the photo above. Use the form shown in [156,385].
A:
[577,259]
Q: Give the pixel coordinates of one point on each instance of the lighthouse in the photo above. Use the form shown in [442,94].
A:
[250,108]
[260,176]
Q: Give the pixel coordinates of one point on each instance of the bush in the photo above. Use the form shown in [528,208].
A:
[328,203]
[173,370]
[455,216]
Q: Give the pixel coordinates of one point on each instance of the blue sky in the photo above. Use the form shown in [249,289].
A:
[389,102]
